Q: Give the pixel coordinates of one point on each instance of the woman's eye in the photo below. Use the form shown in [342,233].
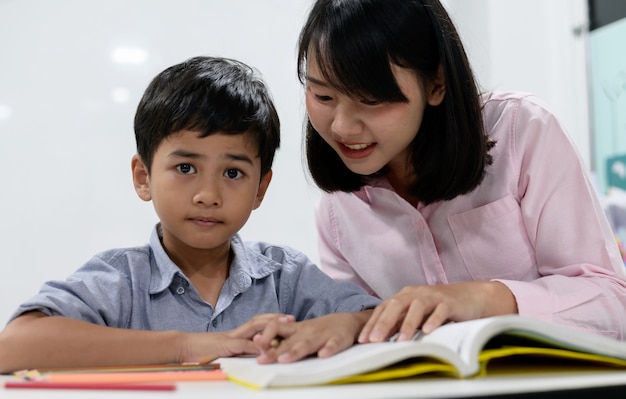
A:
[233,173]
[323,98]
[185,168]
[370,102]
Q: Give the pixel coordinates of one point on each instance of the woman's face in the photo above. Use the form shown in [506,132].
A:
[367,135]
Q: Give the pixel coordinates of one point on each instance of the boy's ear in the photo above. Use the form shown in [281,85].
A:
[265,182]
[141,178]
[436,88]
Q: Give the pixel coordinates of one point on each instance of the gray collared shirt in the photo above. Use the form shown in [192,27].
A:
[141,288]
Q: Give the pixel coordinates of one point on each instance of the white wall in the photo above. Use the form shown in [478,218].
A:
[66,111]
[539,46]
[66,143]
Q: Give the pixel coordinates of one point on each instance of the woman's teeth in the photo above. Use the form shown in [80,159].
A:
[356,146]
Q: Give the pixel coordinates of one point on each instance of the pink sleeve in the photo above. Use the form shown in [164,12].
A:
[582,279]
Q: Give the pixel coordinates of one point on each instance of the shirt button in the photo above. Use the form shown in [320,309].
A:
[180,290]
[214,323]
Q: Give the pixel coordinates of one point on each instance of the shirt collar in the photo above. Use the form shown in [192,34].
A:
[365,193]
[163,270]
[247,265]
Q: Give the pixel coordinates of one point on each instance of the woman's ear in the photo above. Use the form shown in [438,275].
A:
[436,88]
[265,182]
[141,178]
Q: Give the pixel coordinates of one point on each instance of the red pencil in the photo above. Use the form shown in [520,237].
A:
[88,385]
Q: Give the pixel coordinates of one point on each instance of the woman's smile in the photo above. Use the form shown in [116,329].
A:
[356,151]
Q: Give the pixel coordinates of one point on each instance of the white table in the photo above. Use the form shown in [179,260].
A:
[433,388]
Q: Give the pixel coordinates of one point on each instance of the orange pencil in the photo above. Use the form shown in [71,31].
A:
[81,385]
[133,377]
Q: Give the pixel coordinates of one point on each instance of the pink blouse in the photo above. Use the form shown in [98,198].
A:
[534,223]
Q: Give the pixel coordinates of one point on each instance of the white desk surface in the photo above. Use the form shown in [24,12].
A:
[419,388]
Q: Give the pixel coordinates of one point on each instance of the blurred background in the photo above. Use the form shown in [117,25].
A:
[73,71]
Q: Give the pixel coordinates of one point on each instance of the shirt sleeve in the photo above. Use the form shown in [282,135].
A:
[582,279]
[97,292]
[307,292]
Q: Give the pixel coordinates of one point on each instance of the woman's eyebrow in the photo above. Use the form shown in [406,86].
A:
[316,81]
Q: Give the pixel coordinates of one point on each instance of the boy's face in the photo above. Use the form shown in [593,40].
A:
[203,189]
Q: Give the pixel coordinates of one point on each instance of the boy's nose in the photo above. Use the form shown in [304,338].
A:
[208,194]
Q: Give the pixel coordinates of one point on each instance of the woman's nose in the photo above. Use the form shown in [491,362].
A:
[346,122]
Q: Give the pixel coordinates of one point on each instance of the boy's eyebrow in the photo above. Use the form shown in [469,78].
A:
[185,154]
[240,157]
[195,155]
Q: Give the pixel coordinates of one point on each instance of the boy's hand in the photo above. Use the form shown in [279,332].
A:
[428,307]
[206,347]
[287,342]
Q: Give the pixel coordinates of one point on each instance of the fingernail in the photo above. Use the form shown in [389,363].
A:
[284,358]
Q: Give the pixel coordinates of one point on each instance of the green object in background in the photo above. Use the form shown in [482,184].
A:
[608,99]
[616,171]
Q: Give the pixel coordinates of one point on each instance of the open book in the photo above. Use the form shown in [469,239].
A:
[460,350]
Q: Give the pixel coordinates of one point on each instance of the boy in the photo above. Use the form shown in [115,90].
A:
[206,132]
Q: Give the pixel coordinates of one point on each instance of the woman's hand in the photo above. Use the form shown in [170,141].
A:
[325,336]
[428,307]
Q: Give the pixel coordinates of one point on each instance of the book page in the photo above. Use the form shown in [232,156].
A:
[469,338]
[461,338]
[360,358]
[451,346]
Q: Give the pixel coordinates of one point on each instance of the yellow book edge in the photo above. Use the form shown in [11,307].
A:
[424,366]
[582,360]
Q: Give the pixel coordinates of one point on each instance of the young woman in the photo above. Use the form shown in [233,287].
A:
[447,203]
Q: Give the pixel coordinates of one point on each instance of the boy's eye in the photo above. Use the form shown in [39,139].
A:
[185,168]
[233,173]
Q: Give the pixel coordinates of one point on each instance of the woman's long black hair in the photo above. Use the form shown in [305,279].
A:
[353,42]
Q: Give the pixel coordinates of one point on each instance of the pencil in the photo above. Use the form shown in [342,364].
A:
[276,341]
[136,368]
[135,377]
[88,385]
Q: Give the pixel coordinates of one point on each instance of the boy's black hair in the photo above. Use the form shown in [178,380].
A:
[209,95]
[353,42]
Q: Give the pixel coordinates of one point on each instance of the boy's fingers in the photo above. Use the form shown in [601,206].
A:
[273,333]
[331,347]
[292,350]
